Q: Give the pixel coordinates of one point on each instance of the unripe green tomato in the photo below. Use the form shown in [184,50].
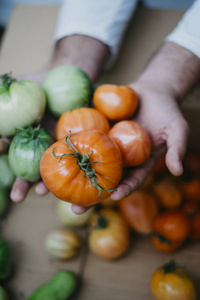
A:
[5,259]
[66,88]
[26,150]
[60,287]
[62,243]
[7,177]
[3,294]
[22,103]
[69,218]
[4,200]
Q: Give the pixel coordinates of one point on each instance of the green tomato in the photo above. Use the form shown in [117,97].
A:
[3,294]
[4,200]
[25,152]
[7,178]
[22,103]
[69,218]
[60,287]
[67,88]
[5,259]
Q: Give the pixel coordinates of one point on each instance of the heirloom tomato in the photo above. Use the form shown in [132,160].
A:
[168,194]
[172,282]
[22,103]
[115,102]
[66,87]
[133,142]
[170,230]
[84,118]
[139,209]
[109,235]
[83,168]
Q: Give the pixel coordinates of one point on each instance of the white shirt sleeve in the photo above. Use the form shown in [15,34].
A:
[187,32]
[105,20]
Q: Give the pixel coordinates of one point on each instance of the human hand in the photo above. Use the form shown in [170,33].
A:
[160,115]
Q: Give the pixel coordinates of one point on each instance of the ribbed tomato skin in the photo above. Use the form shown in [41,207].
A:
[66,180]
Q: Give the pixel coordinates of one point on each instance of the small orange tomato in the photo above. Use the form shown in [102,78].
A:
[133,142]
[139,209]
[171,282]
[83,168]
[84,118]
[168,194]
[190,187]
[109,235]
[115,102]
[170,230]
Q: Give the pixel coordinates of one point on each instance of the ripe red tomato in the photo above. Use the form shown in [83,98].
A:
[84,118]
[139,209]
[171,282]
[170,230]
[115,102]
[109,235]
[83,168]
[133,142]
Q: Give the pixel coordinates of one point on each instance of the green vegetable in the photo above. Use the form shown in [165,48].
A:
[25,152]
[5,259]
[4,200]
[67,87]
[3,294]
[7,178]
[60,287]
[22,103]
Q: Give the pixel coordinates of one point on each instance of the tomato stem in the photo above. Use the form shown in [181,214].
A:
[83,162]
[7,80]
[162,238]
[102,222]
[171,266]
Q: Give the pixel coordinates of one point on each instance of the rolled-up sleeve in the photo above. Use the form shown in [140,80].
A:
[187,32]
[105,20]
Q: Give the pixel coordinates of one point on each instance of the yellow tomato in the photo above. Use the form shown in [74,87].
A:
[171,282]
[109,235]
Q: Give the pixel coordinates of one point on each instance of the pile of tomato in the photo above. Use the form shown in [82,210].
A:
[94,143]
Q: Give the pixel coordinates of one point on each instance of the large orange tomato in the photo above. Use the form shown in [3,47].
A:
[109,235]
[115,102]
[171,282]
[83,168]
[170,230]
[139,209]
[84,118]
[133,142]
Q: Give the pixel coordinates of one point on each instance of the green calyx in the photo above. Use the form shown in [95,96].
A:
[162,238]
[83,162]
[171,267]
[102,222]
[7,80]
[28,134]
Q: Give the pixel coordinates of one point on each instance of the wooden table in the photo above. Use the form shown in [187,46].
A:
[27,47]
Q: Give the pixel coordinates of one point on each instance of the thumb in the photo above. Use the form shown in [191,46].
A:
[177,136]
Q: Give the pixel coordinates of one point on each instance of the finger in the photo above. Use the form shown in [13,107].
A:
[41,189]
[77,209]
[177,137]
[136,176]
[19,190]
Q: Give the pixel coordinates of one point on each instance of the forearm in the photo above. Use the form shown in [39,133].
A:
[173,69]
[84,52]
